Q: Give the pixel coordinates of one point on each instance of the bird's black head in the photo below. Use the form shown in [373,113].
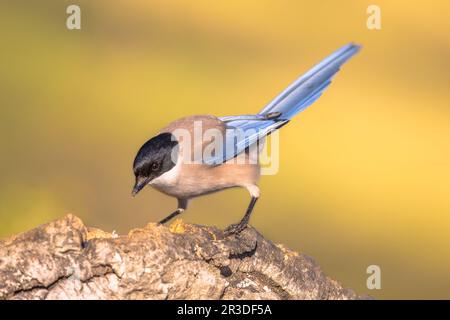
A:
[153,159]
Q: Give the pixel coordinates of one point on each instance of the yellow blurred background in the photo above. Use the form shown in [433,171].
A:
[364,173]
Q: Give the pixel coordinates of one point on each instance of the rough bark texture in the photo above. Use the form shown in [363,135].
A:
[67,260]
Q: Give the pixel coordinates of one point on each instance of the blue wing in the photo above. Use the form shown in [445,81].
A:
[295,98]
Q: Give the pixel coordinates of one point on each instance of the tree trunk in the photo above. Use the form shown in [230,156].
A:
[65,259]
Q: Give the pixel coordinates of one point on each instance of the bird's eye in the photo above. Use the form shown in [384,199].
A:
[155,166]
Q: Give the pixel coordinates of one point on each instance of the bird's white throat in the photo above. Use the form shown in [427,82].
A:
[168,178]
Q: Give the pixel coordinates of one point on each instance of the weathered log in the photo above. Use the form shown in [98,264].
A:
[65,259]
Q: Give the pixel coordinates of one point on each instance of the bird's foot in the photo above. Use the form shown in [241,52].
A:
[235,228]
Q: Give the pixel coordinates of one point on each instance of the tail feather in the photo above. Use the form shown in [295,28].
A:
[310,86]
[299,95]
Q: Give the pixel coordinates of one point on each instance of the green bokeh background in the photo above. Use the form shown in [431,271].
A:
[364,173]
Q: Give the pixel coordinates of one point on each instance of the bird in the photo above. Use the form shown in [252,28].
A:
[175,164]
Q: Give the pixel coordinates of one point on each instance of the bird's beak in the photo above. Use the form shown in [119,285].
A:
[139,185]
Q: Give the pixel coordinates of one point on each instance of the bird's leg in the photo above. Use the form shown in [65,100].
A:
[237,228]
[182,205]
[172,215]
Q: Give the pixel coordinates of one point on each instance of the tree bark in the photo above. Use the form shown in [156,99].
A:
[65,259]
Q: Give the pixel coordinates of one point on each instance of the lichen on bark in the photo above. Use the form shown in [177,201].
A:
[65,259]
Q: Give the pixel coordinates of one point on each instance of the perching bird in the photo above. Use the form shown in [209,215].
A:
[179,167]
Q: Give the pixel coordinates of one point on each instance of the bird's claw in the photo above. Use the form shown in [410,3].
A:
[235,229]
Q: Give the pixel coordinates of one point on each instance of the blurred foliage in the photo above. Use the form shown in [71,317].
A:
[364,174]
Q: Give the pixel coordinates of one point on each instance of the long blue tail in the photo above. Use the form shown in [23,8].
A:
[310,86]
[299,95]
